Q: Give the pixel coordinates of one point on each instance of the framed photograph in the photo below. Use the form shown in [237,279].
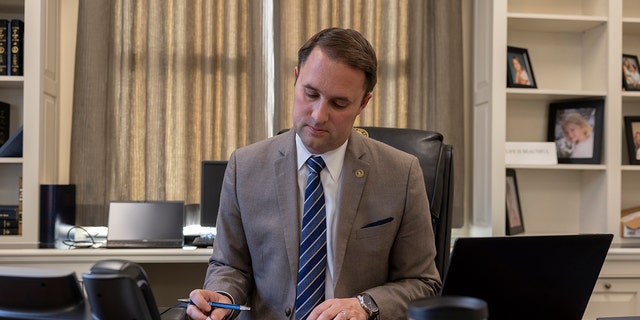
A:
[632,129]
[515,223]
[519,69]
[630,73]
[576,128]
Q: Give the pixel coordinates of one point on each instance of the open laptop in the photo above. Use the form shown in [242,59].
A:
[528,277]
[148,224]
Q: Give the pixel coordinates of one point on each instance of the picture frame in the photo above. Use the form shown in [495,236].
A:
[514,222]
[576,128]
[630,72]
[632,133]
[519,69]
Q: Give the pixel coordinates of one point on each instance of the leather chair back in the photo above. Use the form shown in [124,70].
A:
[436,161]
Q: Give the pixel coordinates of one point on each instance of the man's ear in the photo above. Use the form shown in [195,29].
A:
[296,73]
[365,101]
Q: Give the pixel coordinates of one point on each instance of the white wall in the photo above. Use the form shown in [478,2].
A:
[68,30]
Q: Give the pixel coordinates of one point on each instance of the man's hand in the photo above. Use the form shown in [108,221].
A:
[339,309]
[201,310]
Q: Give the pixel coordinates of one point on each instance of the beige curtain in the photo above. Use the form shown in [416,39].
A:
[162,85]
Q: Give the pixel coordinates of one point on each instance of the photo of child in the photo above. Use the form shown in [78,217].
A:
[576,129]
[575,133]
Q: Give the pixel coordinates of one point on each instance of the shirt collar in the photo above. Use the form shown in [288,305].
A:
[334,158]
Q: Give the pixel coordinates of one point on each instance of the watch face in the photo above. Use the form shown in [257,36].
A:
[368,304]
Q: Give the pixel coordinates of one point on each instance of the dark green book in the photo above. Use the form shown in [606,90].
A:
[4,47]
[17,45]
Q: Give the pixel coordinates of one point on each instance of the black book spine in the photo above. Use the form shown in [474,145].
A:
[8,223]
[9,232]
[5,112]
[9,212]
[4,47]
[17,45]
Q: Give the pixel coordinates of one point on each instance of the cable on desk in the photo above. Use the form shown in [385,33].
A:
[72,243]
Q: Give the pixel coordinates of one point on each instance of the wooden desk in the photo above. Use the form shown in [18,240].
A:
[172,273]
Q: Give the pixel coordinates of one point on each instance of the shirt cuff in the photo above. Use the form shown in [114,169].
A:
[234,313]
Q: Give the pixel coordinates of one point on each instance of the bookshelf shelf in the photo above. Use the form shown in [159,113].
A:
[11,160]
[12,82]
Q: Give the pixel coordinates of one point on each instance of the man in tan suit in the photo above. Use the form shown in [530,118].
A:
[380,244]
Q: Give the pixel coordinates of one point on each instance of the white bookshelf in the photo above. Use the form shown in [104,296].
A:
[32,96]
[575,48]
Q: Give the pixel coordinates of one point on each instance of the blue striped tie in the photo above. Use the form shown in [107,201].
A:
[313,244]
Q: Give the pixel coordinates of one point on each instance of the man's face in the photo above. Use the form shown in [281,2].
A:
[328,96]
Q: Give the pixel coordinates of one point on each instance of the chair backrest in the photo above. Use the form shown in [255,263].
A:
[436,161]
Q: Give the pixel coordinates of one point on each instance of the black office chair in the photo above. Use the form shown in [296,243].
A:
[436,161]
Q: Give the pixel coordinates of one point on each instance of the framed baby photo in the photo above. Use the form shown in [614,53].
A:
[519,69]
[576,128]
[632,133]
[630,73]
[515,223]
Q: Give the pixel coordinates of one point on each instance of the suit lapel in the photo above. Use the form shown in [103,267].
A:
[354,177]
[287,195]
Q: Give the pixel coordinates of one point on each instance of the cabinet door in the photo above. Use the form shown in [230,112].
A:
[614,298]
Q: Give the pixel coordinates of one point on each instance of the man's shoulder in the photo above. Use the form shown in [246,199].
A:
[276,143]
[380,150]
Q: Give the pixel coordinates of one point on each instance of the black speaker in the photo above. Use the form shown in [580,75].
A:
[57,213]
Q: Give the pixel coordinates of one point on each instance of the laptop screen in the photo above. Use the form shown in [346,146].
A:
[145,224]
[528,277]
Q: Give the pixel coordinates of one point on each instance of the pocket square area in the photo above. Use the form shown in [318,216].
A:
[379,222]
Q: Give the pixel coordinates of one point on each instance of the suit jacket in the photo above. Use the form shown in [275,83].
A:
[255,254]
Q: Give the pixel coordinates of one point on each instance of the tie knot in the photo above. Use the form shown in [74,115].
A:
[315,164]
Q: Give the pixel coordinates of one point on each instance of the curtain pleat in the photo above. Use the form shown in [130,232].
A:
[163,84]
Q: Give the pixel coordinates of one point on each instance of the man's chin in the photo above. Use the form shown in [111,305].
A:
[315,144]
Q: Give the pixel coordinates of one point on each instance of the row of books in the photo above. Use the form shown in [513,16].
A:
[10,220]
[11,216]
[11,47]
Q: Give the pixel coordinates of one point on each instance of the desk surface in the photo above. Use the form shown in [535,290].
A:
[48,256]
[189,254]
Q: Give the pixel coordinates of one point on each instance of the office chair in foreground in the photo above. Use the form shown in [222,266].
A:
[119,289]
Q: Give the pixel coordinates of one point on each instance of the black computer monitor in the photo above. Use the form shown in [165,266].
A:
[212,174]
[35,293]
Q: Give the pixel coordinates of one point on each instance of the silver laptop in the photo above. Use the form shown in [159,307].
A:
[528,277]
[148,224]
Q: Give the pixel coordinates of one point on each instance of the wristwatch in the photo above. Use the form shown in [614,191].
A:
[370,306]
